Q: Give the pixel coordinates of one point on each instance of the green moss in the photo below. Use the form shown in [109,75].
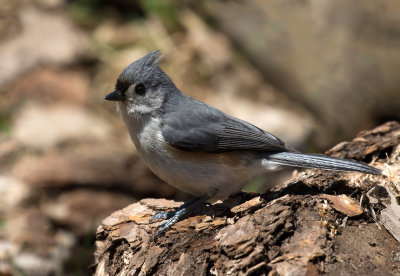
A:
[255,185]
[167,10]
[5,125]
[3,224]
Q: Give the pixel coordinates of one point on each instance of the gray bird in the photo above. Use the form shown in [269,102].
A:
[196,147]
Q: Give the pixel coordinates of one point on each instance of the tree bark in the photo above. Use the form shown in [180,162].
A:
[318,222]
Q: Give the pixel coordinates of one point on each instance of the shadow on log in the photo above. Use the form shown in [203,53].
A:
[318,222]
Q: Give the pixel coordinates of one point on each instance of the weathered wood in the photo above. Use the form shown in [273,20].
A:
[310,225]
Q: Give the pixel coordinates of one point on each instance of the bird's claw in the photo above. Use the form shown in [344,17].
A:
[161,216]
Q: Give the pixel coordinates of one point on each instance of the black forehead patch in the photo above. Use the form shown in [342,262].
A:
[122,85]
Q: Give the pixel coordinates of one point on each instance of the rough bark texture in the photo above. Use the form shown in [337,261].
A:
[318,222]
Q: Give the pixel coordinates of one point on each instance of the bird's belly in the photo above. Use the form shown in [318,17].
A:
[215,175]
[204,177]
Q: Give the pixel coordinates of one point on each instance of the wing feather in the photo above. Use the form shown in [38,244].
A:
[207,129]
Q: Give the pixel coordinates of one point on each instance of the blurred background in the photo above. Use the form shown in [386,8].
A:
[314,73]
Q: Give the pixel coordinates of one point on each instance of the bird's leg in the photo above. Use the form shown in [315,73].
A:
[169,214]
[174,216]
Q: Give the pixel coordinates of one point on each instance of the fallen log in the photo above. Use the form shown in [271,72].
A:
[318,222]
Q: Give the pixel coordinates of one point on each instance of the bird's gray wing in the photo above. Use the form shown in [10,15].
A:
[204,128]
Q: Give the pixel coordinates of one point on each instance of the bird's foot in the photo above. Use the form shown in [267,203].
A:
[172,217]
[161,216]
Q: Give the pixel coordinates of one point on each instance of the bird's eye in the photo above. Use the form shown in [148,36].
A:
[140,89]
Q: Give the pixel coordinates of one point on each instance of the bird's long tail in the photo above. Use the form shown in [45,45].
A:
[320,161]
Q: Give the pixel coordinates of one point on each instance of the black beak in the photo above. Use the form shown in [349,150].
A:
[114,96]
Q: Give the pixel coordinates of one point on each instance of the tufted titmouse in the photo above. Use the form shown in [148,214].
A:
[196,147]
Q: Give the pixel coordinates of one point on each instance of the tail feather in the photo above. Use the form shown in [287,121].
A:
[320,161]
